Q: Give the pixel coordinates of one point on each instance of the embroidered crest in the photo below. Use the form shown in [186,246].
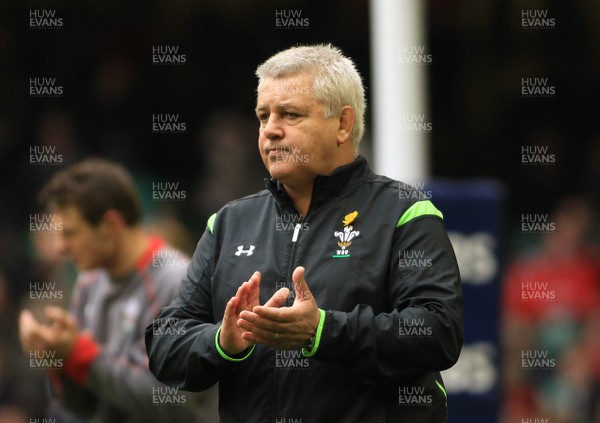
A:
[346,235]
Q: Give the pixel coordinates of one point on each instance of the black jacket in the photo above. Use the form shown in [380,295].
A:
[386,278]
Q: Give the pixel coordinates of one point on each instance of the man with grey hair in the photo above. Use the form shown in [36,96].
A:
[352,303]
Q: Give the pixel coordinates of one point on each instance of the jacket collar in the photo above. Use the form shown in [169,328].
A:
[326,187]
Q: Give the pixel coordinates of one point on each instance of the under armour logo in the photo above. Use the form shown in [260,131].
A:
[248,252]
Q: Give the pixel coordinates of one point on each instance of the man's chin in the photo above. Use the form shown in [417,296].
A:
[282,171]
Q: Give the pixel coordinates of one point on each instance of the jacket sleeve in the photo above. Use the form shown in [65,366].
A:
[192,360]
[423,330]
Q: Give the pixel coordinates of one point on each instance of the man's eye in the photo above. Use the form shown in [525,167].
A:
[292,115]
[263,117]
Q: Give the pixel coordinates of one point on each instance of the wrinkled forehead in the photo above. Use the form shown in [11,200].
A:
[286,93]
[299,78]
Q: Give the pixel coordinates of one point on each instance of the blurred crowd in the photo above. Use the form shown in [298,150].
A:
[551,321]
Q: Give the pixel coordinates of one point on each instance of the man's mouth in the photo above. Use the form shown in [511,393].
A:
[276,151]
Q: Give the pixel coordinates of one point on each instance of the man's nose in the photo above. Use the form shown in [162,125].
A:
[273,129]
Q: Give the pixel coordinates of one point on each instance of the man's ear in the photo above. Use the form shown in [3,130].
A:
[346,124]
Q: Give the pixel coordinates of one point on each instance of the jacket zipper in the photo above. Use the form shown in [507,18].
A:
[292,254]
[287,304]
[296,232]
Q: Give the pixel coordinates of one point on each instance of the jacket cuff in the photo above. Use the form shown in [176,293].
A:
[80,359]
[315,347]
[240,357]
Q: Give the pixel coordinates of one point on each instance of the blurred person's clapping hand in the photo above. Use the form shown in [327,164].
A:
[59,335]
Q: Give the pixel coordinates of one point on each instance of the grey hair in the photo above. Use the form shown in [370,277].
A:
[336,82]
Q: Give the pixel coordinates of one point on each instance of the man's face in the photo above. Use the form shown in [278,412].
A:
[296,141]
[88,246]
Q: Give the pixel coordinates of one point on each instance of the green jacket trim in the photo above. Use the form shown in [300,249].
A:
[224,355]
[442,389]
[211,223]
[315,347]
[420,208]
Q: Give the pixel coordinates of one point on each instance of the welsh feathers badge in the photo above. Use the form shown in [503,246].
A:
[346,235]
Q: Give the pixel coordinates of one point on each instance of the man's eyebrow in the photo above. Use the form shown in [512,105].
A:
[287,106]
[279,106]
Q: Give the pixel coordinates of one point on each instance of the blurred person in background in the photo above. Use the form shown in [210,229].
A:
[233,164]
[341,346]
[551,303]
[100,372]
